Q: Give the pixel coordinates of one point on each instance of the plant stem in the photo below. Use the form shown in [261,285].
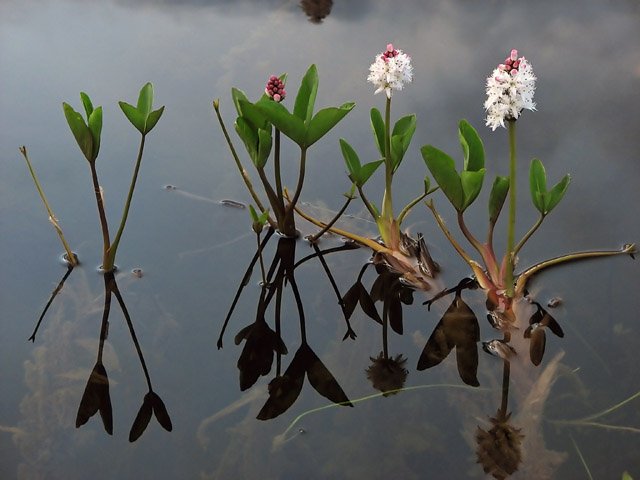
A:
[387,202]
[106,242]
[243,172]
[409,206]
[367,204]
[276,163]
[52,218]
[524,277]
[314,238]
[512,209]
[108,265]
[528,235]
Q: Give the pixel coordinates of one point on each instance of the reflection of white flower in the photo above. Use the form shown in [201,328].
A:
[390,71]
[510,90]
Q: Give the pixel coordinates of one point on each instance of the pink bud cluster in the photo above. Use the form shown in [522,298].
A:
[390,52]
[511,63]
[275,89]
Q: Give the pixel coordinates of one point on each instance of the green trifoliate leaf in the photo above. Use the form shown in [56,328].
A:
[377,125]
[351,160]
[264,146]
[497,197]
[306,98]
[80,131]
[133,115]
[252,114]
[153,119]
[538,184]
[471,146]
[367,170]
[249,137]
[145,100]
[554,195]
[95,127]
[290,125]
[443,169]
[325,120]
[238,95]
[86,102]
[471,185]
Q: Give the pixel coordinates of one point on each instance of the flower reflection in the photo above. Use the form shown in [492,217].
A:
[499,448]
[388,375]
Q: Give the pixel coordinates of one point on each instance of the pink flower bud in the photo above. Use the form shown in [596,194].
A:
[390,47]
[277,97]
[514,54]
[514,72]
[516,64]
[508,61]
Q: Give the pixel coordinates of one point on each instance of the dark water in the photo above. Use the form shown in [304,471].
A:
[193,251]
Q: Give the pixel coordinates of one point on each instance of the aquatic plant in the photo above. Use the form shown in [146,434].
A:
[259,126]
[510,90]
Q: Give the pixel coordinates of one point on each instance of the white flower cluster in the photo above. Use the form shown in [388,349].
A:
[510,90]
[390,71]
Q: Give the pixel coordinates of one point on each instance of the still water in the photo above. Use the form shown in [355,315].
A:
[193,251]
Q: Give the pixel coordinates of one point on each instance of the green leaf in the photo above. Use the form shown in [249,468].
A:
[471,185]
[427,184]
[145,100]
[264,146]
[443,169]
[397,151]
[325,120]
[134,116]
[153,118]
[497,197]
[237,95]
[538,184]
[80,131]
[95,127]
[252,113]
[288,124]
[554,195]
[306,98]
[351,160]
[367,170]
[254,215]
[377,125]
[405,125]
[86,102]
[249,137]
[471,146]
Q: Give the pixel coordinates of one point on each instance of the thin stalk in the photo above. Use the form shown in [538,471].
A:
[409,206]
[264,278]
[582,460]
[468,235]
[314,238]
[274,200]
[54,294]
[52,218]
[367,204]
[528,235]
[385,330]
[303,163]
[512,209]
[524,277]
[387,202]
[108,266]
[276,163]
[106,242]
[243,172]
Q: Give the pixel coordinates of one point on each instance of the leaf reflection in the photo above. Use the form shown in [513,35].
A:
[459,329]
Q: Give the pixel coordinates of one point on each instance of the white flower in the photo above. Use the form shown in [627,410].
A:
[390,71]
[510,90]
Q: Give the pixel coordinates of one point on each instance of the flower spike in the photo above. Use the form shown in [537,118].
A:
[390,70]
[510,89]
